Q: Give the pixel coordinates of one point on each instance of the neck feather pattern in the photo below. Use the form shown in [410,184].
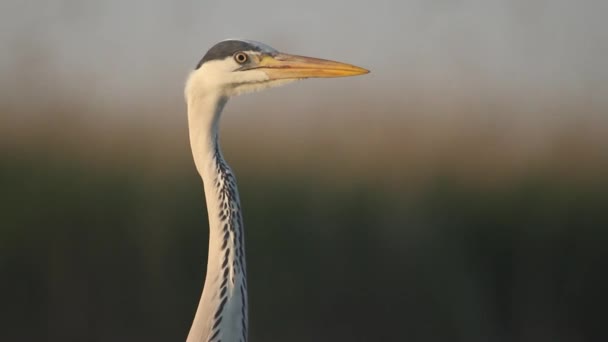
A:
[222,310]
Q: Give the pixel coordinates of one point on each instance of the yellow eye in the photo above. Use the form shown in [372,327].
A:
[240,57]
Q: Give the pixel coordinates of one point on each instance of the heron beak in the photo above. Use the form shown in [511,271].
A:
[285,66]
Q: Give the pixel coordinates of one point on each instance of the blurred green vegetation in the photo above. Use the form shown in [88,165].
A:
[91,252]
[459,192]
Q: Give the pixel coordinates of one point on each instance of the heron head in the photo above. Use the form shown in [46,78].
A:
[233,67]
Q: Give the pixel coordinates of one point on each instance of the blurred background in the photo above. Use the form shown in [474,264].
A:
[457,193]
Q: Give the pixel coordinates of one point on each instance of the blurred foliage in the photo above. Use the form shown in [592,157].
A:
[457,193]
[94,253]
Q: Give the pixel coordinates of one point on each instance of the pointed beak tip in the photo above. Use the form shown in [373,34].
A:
[364,71]
[354,70]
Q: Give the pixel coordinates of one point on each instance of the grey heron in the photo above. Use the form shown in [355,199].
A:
[230,68]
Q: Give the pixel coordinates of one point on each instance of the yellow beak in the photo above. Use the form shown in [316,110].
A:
[285,66]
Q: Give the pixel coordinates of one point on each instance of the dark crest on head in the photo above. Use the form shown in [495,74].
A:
[227,48]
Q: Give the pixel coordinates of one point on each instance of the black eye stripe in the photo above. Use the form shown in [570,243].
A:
[227,49]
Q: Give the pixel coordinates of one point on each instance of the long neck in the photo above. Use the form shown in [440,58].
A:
[222,310]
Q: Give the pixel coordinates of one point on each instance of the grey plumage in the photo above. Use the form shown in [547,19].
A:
[229,47]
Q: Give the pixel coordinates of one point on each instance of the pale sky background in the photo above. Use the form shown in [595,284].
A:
[117,52]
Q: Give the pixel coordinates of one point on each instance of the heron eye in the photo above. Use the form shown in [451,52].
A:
[240,57]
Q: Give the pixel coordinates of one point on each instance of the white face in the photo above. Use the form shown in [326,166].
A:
[260,67]
[228,77]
